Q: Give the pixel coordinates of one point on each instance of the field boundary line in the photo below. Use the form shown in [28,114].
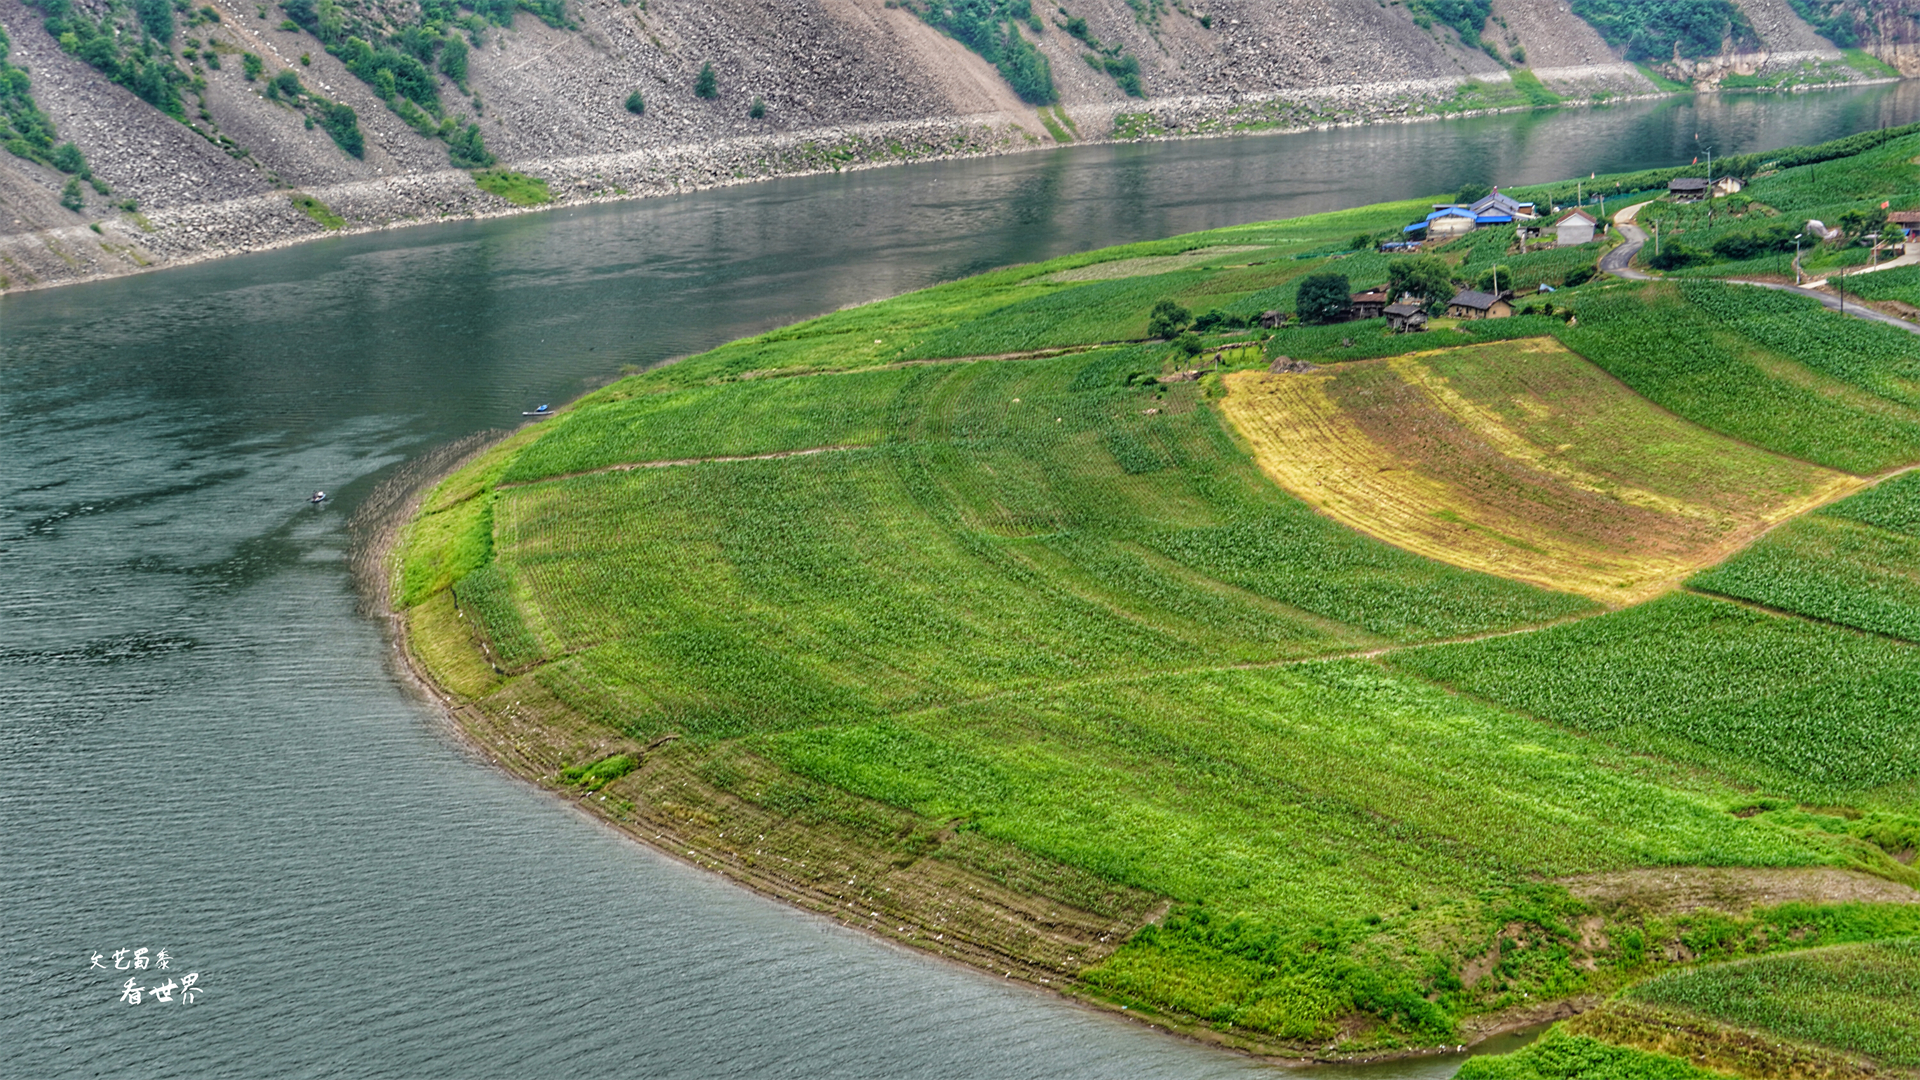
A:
[1769,609]
[668,463]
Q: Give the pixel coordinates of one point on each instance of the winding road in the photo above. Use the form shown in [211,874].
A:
[1618,262]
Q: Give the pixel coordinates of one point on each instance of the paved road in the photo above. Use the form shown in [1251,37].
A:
[1616,262]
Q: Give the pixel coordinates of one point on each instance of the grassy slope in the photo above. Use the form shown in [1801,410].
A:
[1038,601]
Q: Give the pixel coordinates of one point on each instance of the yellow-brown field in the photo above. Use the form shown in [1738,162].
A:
[1521,459]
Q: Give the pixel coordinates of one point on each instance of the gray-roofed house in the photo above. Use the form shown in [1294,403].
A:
[1687,188]
[1368,305]
[1574,229]
[1469,304]
[1405,317]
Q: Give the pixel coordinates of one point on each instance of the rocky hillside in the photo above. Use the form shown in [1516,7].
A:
[151,131]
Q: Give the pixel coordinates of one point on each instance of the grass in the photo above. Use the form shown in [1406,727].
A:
[1868,64]
[1034,631]
[1518,459]
[317,210]
[517,188]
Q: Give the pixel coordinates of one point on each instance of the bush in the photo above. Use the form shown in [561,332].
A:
[251,66]
[1167,319]
[72,197]
[636,104]
[1323,298]
[706,84]
[453,59]
[156,18]
[343,126]
[1189,345]
[1471,193]
[758,109]
[467,150]
[286,83]
[1672,256]
[68,159]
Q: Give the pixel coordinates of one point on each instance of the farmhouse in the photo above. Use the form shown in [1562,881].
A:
[1728,185]
[1368,305]
[1272,320]
[1469,304]
[1687,188]
[1574,229]
[1405,318]
[1498,209]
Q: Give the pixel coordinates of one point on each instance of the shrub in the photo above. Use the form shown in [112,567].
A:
[706,84]
[251,66]
[1672,256]
[1167,319]
[68,159]
[758,109]
[453,59]
[71,196]
[156,18]
[467,150]
[343,126]
[636,104]
[1189,345]
[1323,298]
[286,83]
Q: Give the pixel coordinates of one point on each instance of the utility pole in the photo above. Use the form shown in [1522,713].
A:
[1796,258]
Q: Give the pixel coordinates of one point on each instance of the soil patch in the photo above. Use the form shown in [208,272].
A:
[1732,890]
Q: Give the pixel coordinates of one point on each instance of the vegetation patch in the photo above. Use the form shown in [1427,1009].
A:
[517,188]
[975,618]
[1519,459]
[317,210]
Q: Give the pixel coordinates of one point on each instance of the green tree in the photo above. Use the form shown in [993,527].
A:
[1360,242]
[1501,274]
[636,104]
[1324,298]
[706,84]
[285,83]
[467,150]
[156,17]
[1471,193]
[758,109]
[453,59]
[71,197]
[251,66]
[1423,277]
[68,159]
[343,126]
[1166,319]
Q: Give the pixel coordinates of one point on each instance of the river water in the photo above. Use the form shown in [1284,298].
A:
[204,746]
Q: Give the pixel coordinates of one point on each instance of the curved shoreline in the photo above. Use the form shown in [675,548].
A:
[380,524]
[190,234]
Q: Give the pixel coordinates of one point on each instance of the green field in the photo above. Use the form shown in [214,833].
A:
[977,607]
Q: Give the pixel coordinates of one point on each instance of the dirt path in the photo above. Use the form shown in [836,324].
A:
[668,463]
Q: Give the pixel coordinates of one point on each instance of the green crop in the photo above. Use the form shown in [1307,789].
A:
[1777,702]
[1862,999]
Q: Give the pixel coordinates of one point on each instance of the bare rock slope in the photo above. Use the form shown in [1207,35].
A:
[801,85]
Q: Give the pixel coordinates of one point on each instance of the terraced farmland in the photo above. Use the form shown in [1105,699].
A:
[1519,459]
[1301,712]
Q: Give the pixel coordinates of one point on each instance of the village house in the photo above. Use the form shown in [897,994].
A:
[1368,305]
[1727,185]
[1498,209]
[1445,221]
[1687,188]
[1469,304]
[1405,318]
[1574,229]
[1906,223]
[1272,320]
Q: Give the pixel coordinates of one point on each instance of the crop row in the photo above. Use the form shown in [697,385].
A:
[1778,702]
[1862,999]
[1677,355]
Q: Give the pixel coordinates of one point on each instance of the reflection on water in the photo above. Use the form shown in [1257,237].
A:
[204,749]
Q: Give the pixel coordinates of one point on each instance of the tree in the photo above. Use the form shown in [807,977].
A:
[1423,277]
[758,109]
[1470,193]
[251,66]
[1360,242]
[1167,319]
[1323,298]
[636,104]
[70,196]
[453,59]
[706,84]
[1498,274]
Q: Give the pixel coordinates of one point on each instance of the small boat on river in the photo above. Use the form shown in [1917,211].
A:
[541,411]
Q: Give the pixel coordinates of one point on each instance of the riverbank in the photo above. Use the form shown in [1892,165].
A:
[965,912]
[182,235]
